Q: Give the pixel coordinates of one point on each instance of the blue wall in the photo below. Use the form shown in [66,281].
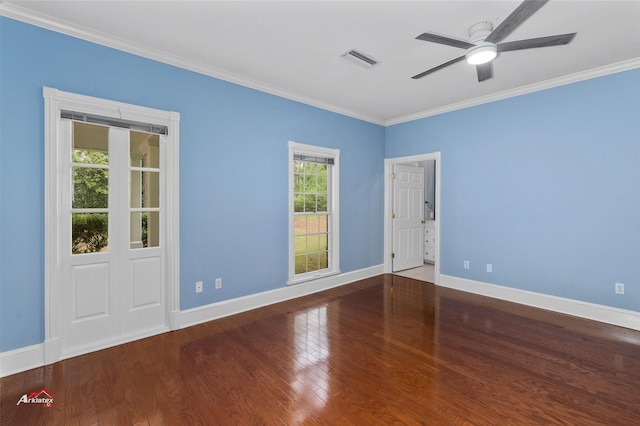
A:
[233,171]
[545,186]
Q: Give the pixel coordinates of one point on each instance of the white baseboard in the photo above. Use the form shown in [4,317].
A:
[109,343]
[592,311]
[21,359]
[225,308]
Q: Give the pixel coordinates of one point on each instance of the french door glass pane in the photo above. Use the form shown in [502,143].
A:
[144,150]
[90,144]
[145,189]
[90,188]
[89,232]
[145,229]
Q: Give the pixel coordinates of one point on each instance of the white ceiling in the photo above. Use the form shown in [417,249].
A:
[293,48]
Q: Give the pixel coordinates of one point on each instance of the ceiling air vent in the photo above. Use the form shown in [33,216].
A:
[359,59]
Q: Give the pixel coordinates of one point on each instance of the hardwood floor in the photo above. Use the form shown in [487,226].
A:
[387,350]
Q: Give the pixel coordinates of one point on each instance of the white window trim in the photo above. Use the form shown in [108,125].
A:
[54,102]
[334,260]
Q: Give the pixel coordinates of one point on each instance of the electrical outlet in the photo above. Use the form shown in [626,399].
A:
[218,283]
[199,287]
[466,264]
[489,267]
[619,288]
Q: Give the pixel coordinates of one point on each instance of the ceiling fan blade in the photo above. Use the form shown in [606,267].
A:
[439,67]
[436,38]
[517,17]
[531,43]
[485,71]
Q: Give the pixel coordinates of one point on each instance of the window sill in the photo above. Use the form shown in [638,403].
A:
[312,277]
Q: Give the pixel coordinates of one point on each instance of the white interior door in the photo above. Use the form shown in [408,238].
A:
[113,288]
[408,217]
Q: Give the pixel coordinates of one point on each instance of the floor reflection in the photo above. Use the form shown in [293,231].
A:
[311,362]
[410,324]
[381,351]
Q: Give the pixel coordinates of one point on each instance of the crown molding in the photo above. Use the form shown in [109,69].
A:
[44,21]
[63,27]
[536,87]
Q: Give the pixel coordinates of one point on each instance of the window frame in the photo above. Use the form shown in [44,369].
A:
[333,212]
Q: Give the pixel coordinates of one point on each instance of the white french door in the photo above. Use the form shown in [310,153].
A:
[408,217]
[111,245]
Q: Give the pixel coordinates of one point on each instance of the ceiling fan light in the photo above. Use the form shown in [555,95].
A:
[482,53]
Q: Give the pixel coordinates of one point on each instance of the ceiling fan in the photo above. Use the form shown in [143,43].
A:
[485,42]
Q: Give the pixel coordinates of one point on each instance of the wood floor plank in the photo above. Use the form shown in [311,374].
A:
[385,350]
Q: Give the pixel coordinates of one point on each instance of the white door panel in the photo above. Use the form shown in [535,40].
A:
[408,213]
[145,280]
[90,305]
[91,291]
[143,299]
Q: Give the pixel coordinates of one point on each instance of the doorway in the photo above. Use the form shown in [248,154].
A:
[389,208]
[111,223]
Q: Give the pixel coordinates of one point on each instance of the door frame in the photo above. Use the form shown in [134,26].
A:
[388,207]
[54,102]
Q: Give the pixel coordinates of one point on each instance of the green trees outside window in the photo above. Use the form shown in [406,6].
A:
[311,217]
[90,231]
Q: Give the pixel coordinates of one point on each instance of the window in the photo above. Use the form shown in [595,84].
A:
[313,212]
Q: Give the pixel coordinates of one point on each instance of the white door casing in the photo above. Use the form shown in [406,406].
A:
[408,217]
[101,299]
